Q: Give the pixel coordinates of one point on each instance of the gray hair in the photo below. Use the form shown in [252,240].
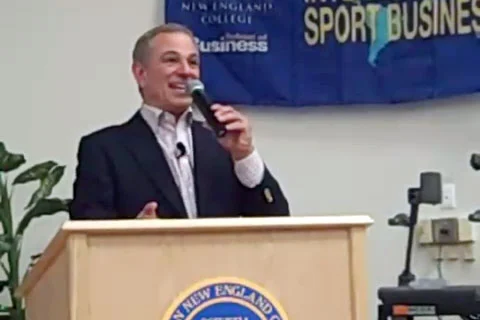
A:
[141,50]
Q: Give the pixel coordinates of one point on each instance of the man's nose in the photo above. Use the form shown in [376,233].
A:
[186,69]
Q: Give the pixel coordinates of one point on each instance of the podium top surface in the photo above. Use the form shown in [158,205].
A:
[214,224]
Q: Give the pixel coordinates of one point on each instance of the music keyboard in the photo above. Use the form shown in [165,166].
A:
[406,301]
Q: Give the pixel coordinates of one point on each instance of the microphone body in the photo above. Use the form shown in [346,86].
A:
[180,150]
[202,101]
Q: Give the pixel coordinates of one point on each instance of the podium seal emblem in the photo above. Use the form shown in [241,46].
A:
[225,299]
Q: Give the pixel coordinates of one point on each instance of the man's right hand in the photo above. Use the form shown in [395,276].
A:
[149,211]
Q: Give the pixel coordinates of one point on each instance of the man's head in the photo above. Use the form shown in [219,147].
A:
[163,59]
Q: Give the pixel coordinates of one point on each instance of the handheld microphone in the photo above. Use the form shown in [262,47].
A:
[197,90]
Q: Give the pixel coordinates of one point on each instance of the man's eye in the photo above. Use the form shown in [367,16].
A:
[169,59]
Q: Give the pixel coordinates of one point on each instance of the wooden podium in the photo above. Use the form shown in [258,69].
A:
[294,268]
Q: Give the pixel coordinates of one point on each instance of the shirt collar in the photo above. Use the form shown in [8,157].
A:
[154,116]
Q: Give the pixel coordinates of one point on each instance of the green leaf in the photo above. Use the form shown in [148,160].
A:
[3,285]
[4,246]
[44,207]
[36,172]
[5,206]
[3,220]
[5,269]
[46,185]
[9,161]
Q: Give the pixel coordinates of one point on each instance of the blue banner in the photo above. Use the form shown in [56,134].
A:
[334,52]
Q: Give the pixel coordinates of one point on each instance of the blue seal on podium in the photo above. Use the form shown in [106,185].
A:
[225,299]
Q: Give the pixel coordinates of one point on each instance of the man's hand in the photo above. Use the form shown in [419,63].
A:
[149,211]
[238,140]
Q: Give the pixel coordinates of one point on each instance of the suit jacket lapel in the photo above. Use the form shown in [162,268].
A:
[202,140]
[144,147]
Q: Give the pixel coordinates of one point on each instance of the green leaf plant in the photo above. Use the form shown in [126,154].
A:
[47,174]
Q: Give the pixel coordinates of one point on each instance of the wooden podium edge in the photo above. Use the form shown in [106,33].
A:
[214,224]
[144,226]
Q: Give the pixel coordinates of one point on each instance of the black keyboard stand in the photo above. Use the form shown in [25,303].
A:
[429,192]
[382,314]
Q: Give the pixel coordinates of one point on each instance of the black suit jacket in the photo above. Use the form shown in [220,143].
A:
[121,168]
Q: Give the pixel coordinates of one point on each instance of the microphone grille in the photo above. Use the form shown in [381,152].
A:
[194,84]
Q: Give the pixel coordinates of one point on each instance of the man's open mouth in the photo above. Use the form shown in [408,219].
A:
[178,87]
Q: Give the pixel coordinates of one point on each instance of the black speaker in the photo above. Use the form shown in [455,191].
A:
[475,161]
[431,188]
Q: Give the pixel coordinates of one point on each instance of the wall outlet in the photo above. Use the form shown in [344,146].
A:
[445,231]
[449,200]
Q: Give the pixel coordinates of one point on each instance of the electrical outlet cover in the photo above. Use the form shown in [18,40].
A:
[445,231]
[449,200]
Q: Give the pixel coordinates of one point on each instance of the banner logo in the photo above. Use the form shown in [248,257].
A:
[221,12]
[333,52]
[236,43]
[225,298]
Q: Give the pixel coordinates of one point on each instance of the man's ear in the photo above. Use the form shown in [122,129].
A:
[139,73]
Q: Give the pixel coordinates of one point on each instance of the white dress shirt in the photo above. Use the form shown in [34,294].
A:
[169,132]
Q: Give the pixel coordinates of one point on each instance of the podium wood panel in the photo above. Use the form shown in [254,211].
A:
[98,270]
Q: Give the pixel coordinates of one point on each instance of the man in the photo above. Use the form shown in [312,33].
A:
[164,162]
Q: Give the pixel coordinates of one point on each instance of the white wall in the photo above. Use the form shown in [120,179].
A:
[65,72]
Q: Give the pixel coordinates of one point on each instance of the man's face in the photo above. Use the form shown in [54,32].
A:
[173,59]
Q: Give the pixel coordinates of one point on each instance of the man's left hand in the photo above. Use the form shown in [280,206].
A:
[238,140]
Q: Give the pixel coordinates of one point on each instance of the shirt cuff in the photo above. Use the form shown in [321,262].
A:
[250,170]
